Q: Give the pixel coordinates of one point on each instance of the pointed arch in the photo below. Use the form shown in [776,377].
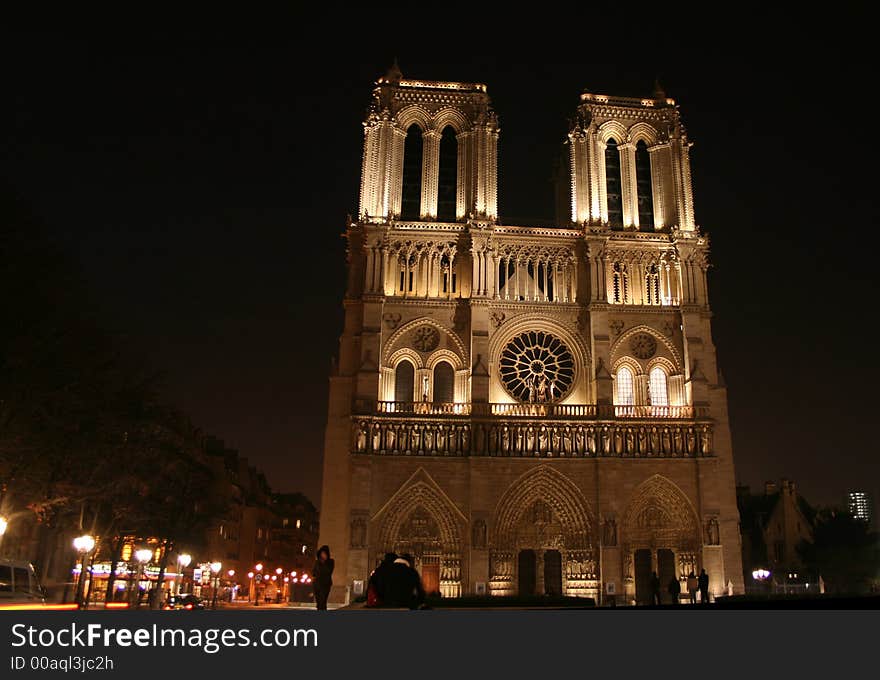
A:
[453,118]
[620,345]
[659,514]
[418,492]
[642,132]
[401,331]
[612,129]
[546,484]
[413,115]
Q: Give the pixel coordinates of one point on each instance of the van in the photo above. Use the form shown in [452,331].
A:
[19,584]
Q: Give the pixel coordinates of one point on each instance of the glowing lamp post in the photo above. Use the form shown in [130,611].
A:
[3,524]
[142,556]
[83,545]
[215,569]
[761,575]
[250,586]
[183,561]
[259,569]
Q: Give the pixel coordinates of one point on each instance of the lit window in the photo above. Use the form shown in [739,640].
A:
[657,388]
[284,523]
[304,550]
[298,523]
[625,395]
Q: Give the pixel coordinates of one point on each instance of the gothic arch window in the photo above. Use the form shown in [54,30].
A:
[404,381]
[652,285]
[444,383]
[619,283]
[447,180]
[658,391]
[411,199]
[644,189]
[625,387]
[612,184]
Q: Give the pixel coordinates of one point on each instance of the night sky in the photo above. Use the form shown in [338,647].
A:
[201,186]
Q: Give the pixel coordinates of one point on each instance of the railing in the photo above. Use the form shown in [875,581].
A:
[567,411]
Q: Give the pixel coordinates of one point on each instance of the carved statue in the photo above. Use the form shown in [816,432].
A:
[609,532]
[618,440]
[691,441]
[505,440]
[542,439]
[479,534]
[712,533]
[377,437]
[361,439]
[677,441]
[358,532]
[706,440]
[630,441]
[465,438]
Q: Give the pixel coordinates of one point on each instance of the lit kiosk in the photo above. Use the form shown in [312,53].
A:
[523,409]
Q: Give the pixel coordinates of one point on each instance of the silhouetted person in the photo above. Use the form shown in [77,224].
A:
[692,587]
[674,589]
[381,576]
[322,573]
[404,586]
[703,582]
[655,588]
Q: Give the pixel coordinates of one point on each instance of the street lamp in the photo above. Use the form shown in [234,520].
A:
[83,545]
[250,586]
[183,560]
[259,569]
[142,556]
[3,524]
[215,569]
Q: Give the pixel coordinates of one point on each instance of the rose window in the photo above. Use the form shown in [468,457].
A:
[537,367]
[425,338]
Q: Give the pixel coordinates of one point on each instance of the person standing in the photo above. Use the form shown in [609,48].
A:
[674,590]
[692,587]
[655,588]
[322,573]
[703,582]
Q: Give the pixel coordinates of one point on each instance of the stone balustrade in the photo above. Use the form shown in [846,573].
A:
[478,435]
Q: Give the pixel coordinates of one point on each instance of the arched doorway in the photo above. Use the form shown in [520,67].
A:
[660,534]
[418,521]
[542,525]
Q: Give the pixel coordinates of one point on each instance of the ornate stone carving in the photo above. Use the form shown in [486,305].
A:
[498,318]
[617,327]
[643,345]
[425,338]
[391,319]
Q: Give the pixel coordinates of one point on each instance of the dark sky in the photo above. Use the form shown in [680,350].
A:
[202,184]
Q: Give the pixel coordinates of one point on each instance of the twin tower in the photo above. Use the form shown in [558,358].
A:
[522,409]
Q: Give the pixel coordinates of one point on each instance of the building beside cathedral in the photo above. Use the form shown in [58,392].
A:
[527,409]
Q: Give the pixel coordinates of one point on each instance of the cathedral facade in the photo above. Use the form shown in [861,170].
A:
[523,409]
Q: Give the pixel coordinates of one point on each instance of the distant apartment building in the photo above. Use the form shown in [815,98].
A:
[861,505]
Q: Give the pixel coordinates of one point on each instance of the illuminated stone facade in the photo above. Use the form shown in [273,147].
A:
[527,409]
